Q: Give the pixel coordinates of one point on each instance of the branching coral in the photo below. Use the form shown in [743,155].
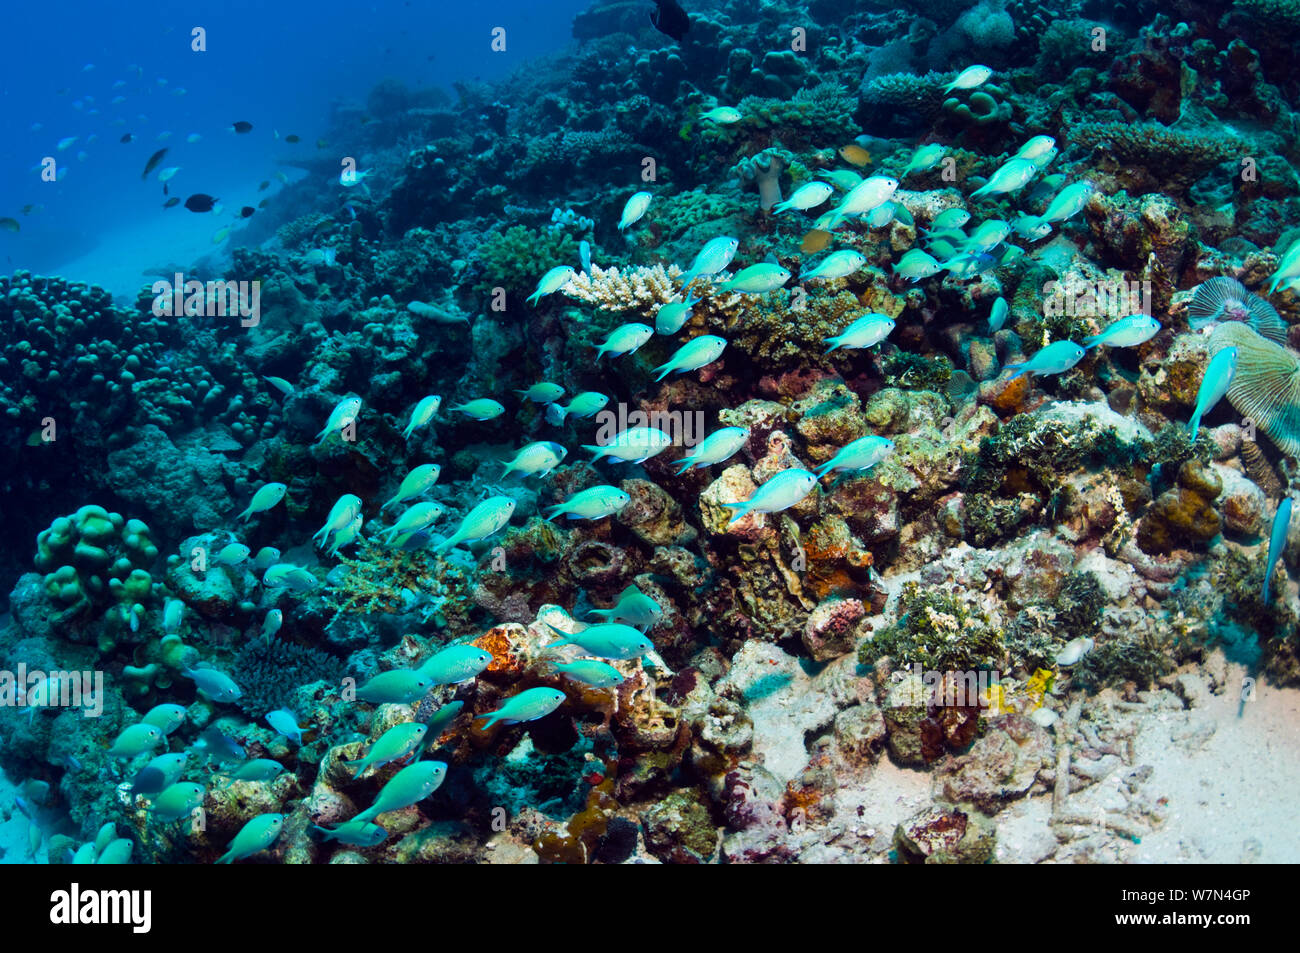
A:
[269,673]
[384,579]
[641,289]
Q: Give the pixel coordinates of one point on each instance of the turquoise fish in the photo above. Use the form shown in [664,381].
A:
[1276,542]
[529,705]
[257,835]
[779,492]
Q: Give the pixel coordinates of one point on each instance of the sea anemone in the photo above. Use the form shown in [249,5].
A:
[1266,386]
[1226,299]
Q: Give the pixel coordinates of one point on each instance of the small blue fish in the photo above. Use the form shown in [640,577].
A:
[1126,332]
[219,746]
[354,833]
[1056,358]
[998,315]
[1276,540]
[1218,377]
[216,685]
[531,704]
[780,492]
[283,721]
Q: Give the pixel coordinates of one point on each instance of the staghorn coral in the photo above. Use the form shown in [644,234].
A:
[382,579]
[642,288]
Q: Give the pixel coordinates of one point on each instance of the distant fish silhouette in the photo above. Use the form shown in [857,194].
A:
[669,18]
[153,162]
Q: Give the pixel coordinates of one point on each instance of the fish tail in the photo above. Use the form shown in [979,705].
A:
[825,468]
[740,508]
[1194,425]
[1091,341]
[686,463]
[1017,369]
[667,369]
[598,451]
[834,346]
[555,511]
[245,515]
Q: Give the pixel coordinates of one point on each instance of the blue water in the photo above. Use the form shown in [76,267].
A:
[278,65]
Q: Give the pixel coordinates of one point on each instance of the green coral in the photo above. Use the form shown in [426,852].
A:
[516,258]
[1039,631]
[983,108]
[937,630]
[810,118]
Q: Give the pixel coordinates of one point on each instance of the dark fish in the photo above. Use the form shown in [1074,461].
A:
[127,138]
[264,203]
[264,186]
[291,139]
[242,127]
[166,191]
[198,202]
[219,746]
[148,781]
[669,18]
[246,211]
[173,201]
[153,162]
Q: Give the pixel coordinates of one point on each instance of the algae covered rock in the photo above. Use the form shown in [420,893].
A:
[1184,517]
